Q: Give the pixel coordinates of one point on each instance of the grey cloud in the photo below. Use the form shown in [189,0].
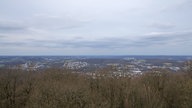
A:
[75,44]
[12,44]
[162,25]
[162,38]
[166,37]
[2,36]
[67,43]
[40,23]
[158,38]
[184,4]
[55,22]
[8,26]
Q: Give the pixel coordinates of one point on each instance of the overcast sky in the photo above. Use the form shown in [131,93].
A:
[95,27]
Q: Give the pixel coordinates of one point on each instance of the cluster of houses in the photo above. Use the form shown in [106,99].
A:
[75,65]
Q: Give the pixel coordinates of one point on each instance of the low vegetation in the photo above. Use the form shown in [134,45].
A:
[55,88]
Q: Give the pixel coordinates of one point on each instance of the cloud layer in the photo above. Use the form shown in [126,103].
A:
[95,27]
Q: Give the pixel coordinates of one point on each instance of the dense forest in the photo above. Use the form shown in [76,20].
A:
[59,88]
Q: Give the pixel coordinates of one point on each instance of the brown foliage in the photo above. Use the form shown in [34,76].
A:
[55,88]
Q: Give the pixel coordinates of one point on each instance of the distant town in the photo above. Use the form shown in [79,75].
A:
[118,65]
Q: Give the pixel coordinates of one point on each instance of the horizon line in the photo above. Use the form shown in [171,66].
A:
[100,55]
